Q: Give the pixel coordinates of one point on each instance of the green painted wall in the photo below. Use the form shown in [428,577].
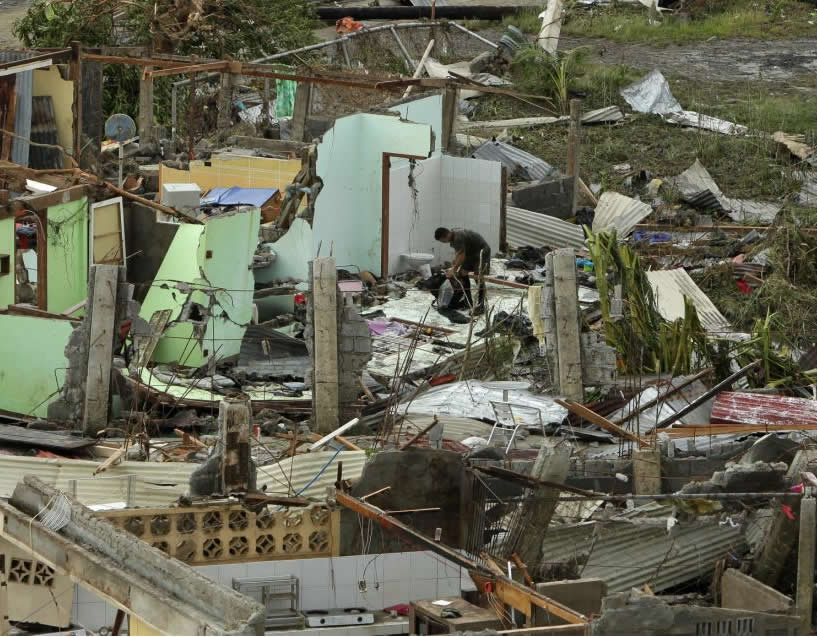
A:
[67,254]
[32,362]
[7,247]
[222,283]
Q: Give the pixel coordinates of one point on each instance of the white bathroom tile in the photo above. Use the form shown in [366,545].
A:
[423,566]
[449,587]
[315,572]
[344,596]
[84,596]
[424,589]
[315,598]
[92,615]
[396,592]
[370,568]
[261,569]
[290,567]
[227,572]
[396,567]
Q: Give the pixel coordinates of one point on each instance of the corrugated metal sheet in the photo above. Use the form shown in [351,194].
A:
[160,483]
[745,407]
[620,212]
[520,164]
[427,3]
[277,476]
[24,87]
[603,115]
[671,286]
[526,228]
[628,553]
[44,131]
[699,189]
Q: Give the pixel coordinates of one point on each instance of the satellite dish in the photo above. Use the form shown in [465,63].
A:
[120,128]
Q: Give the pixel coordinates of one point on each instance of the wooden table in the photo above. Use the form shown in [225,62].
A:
[425,617]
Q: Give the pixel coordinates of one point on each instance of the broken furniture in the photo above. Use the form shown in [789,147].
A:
[508,422]
[434,617]
[279,595]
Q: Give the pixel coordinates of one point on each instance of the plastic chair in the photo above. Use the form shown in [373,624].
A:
[508,421]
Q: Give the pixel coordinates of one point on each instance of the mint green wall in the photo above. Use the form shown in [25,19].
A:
[223,284]
[32,362]
[67,254]
[348,210]
[7,247]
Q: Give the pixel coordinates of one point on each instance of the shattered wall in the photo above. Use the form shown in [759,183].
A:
[206,282]
[148,241]
[7,248]
[33,363]
[348,212]
[425,110]
[293,252]
[67,254]
[454,192]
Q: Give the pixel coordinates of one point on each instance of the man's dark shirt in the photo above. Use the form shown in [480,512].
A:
[471,243]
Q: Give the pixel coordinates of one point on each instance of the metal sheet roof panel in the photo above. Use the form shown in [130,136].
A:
[750,408]
[616,211]
[519,163]
[671,286]
[527,228]
[630,553]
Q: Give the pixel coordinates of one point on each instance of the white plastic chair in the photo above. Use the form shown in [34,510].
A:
[509,419]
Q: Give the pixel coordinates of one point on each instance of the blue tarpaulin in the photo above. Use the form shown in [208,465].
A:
[236,196]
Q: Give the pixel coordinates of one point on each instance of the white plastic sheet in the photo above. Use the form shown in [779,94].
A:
[651,94]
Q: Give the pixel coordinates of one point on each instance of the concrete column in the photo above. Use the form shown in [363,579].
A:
[552,464]
[566,306]
[234,433]
[4,605]
[647,472]
[325,347]
[805,563]
[573,145]
[300,110]
[102,314]
[145,124]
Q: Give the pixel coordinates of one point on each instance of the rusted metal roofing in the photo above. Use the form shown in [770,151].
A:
[671,286]
[616,211]
[23,86]
[763,409]
[520,164]
[44,131]
[603,115]
[526,228]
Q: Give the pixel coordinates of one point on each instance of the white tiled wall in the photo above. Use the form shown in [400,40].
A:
[455,192]
[391,578]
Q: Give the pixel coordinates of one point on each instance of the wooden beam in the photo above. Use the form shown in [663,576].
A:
[601,421]
[102,315]
[510,592]
[76,76]
[152,204]
[186,68]
[566,309]
[420,433]
[419,70]
[59,53]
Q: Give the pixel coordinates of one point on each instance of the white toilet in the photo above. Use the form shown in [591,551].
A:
[420,261]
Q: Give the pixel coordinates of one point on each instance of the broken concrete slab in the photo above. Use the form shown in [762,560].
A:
[744,592]
[136,577]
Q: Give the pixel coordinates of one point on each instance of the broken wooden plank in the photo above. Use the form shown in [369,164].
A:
[420,433]
[601,421]
[519,122]
[374,493]
[74,308]
[521,566]
[419,70]
[340,440]
[321,442]
[146,344]
[280,500]
[110,460]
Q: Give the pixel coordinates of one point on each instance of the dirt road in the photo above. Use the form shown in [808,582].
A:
[716,60]
[10,12]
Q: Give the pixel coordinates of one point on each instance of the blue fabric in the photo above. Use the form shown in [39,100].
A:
[236,196]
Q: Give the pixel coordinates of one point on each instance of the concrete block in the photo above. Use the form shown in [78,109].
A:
[582,595]
[347,344]
[744,592]
[363,345]
[552,197]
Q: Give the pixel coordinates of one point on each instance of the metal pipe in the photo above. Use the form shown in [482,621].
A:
[474,35]
[707,395]
[679,496]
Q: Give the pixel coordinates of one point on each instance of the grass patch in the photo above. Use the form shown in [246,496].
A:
[724,19]
[527,21]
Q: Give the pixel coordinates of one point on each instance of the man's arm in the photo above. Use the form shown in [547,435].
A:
[459,259]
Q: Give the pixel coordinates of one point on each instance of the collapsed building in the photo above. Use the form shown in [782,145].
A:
[226,383]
